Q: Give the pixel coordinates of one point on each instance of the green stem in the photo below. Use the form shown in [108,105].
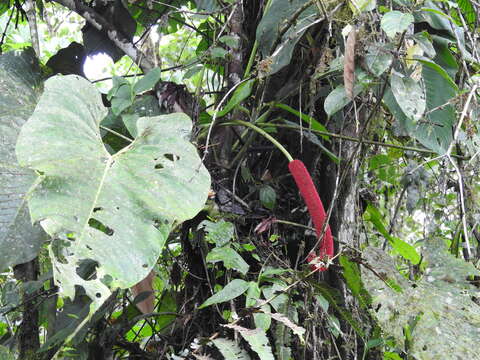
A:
[248,69]
[266,135]
[250,60]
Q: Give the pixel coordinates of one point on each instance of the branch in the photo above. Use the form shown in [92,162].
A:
[99,23]
[30,10]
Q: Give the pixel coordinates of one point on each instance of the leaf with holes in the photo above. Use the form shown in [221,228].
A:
[116,210]
[20,88]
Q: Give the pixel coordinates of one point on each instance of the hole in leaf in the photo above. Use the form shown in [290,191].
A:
[98,295]
[159,166]
[97,209]
[94,223]
[144,265]
[107,280]
[88,247]
[87,269]
[171,157]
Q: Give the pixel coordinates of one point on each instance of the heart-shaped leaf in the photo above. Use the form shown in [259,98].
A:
[114,209]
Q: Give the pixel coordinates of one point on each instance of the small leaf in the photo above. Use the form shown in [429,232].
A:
[119,104]
[192,71]
[148,81]
[232,290]
[424,40]
[241,93]
[230,258]
[230,349]
[219,233]
[338,98]
[378,59]
[230,41]
[404,249]
[374,343]
[395,22]
[218,52]
[268,197]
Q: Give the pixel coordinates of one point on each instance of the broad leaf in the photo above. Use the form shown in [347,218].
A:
[338,99]
[114,209]
[148,81]
[378,58]
[438,309]
[409,95]
[395,22]
[20,87]
[351,273]
[219,233]
[233,289]
[277,35]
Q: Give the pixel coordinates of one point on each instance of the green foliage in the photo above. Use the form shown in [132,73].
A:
[84,193]
[232,290]
[230,350]
[438,305]
[119,187]
[20,87]
[257,340]
[395,22]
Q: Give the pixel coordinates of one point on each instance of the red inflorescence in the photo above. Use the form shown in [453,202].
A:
[317,212]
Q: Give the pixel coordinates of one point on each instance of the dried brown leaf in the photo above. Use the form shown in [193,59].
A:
[349,64]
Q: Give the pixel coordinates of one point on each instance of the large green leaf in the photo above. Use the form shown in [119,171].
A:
[434,131]
[20,86]
[409,95]
[438,309]
[278,33]
[114,209]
